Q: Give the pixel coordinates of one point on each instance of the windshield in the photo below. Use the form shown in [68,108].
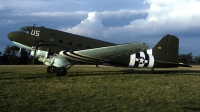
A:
[25,31]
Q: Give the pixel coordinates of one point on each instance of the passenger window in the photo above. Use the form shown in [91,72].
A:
[60,41]
[70,43]
[51,39]
[79,45]
[88,47]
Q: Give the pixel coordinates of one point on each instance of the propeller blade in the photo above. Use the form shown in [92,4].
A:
[38,44]
[35,47]
[33,62]
[20,49]
[19,52]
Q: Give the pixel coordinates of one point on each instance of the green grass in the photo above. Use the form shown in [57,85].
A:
[87,88]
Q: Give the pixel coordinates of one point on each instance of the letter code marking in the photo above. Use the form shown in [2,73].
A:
[35,33]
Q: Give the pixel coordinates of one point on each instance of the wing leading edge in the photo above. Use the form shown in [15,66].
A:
[104,54]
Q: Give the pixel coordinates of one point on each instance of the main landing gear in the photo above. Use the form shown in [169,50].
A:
[51,69]
[61,71]
[58,71]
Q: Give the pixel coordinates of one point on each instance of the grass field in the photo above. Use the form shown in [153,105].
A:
[87,88]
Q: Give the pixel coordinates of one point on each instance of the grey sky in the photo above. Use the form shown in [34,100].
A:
[116,21]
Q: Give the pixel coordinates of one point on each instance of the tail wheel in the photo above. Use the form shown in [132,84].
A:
[152,70]
[51,69]
[61,72]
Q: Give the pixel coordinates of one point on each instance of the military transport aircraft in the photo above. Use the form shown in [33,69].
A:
[61,50]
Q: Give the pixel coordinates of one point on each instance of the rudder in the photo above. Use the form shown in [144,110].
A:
[167,49]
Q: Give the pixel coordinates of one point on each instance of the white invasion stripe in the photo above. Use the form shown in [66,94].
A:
[151,61]
[64,55]
[149,51]
[85,59]
[132,60]
[73,57]
[142,55]
[61,53]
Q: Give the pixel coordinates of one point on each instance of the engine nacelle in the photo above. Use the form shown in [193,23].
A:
[141,59]
[51,60]
[39,53]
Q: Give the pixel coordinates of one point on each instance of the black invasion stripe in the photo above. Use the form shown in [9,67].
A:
[68,56]
[77,58]
[137,62]
[146,58]
[87,58]
[72,57]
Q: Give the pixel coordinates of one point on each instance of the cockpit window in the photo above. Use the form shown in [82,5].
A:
[25,31]
[22,30]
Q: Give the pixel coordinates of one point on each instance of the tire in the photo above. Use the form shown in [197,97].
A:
[51,69]
[61,72]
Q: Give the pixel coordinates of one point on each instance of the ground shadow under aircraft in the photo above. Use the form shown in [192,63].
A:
[104,73]
[191,109]
[129,71]
[26,77]
[132,71]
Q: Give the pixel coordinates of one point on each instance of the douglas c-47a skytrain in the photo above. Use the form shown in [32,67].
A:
[60,50]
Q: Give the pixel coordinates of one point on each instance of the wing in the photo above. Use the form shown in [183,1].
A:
[104,54]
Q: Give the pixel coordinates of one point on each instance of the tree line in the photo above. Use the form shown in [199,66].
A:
[11,56]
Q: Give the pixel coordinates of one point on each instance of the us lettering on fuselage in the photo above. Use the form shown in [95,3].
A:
[35,33]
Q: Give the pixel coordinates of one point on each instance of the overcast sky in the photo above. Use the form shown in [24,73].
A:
[117,21]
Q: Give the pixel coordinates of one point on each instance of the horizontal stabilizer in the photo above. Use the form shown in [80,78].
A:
[167,64]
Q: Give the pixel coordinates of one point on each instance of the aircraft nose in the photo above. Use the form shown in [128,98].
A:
[11,36]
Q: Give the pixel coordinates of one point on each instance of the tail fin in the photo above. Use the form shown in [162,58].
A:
[167,49]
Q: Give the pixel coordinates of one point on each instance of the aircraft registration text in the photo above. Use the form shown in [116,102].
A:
[35,33]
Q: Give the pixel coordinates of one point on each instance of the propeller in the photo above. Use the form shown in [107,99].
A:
[37,44]
[33,60]
[20,49]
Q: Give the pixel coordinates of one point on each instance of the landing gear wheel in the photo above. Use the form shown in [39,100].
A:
[61,72]
[51,69]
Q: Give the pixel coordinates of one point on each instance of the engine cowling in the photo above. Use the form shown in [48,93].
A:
[39,53]
[51,60]
[141,59]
